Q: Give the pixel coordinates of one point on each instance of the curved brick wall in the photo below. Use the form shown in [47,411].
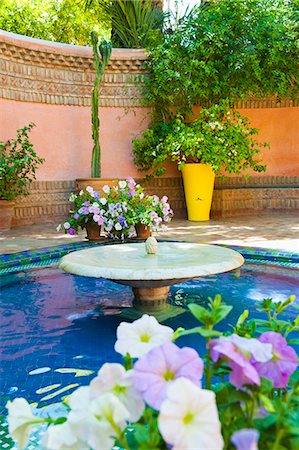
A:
[50,84]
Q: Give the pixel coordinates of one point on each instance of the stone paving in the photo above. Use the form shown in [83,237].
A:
[268,230]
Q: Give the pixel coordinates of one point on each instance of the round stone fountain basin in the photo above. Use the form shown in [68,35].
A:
[151,275]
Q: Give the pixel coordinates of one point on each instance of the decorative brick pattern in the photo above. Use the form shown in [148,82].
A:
[48,72]
[48,200]
[235,202]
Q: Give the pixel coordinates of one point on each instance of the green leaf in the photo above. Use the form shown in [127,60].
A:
[267,403]
[201,314]
[243,317]
[220,313]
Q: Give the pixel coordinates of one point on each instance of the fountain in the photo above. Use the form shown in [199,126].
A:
[150,270]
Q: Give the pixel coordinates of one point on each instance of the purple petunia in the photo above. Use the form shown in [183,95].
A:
[71,231]
[283,363]
[245,439]
[76,216]
[157,369]
[84,210]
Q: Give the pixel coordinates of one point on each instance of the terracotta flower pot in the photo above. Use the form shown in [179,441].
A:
[95,183]
[93,231]
[142,231]
[6,214]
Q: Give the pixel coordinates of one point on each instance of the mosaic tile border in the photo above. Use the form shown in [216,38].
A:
[29,259]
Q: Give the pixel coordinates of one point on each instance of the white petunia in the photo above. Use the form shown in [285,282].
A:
[110,413]
[103,200]
[58,228]
[20,419]
[81,418]
[115,379]
[81,192]
[106,189]
[94,421]
[66,225]
[96,217]
[90,190]
[189,418]
[63,437]
[140,336]
[118,226]
[122,184]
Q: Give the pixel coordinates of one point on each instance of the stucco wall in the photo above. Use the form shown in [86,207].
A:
[50,84]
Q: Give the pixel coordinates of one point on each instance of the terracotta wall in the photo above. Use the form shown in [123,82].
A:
[50,84]
[63,137]
[279,127]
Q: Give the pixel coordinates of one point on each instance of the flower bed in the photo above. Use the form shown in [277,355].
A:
[243,394]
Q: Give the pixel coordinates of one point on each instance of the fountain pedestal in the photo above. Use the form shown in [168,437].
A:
[150,276]
[153,295]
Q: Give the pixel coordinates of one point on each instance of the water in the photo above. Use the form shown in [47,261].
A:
[58,329]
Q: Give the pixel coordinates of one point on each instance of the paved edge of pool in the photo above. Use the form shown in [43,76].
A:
[47,256]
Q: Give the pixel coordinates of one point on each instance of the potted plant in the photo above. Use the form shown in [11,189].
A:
[120,210]
[219,141]
[88,211]
[18,164]
[144,212]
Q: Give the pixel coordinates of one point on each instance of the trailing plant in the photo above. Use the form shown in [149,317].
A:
[105,49]
[18,164]
[243,393]
[220,137]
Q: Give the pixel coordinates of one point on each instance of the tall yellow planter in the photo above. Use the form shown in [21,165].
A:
[199,186]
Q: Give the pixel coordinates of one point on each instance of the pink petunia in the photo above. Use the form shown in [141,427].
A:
[156,370]
[242,371]
[283,363]
[237,352]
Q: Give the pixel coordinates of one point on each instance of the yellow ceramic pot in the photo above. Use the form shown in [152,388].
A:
[198,186]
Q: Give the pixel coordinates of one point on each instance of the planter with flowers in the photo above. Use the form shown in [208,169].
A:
[119,210]
[219,140]
[242,394]
[18,164]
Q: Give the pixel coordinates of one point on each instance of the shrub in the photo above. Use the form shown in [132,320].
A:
[18,164]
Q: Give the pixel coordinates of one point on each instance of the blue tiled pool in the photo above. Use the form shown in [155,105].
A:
[58,329]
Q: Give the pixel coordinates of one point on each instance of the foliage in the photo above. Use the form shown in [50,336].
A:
[118,209]
[219,137]
[225,49]
[134,23]
[55,20]
[246,389]
[18,164]
[105,49]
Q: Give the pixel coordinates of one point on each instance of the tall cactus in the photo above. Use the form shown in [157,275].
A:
[105,51]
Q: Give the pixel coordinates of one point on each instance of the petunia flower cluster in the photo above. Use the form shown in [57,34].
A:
[161,383]
[117,209]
